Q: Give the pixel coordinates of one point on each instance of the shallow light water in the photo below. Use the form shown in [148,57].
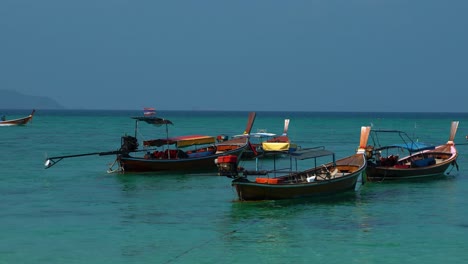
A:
[75,212]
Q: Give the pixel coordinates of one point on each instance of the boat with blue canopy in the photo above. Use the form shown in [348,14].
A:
[410,159]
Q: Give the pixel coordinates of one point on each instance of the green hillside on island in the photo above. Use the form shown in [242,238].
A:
[14,100]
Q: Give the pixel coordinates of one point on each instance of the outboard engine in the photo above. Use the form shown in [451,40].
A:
[227,165]
[128,144]
[369,152]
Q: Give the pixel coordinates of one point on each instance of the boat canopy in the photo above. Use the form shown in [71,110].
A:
[311,153]
[180,141]
[256,135]
[408,143]
[411,146]
[153,120]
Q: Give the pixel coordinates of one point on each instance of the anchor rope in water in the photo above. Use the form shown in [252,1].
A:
[210,240]
[454,165]
[110,170]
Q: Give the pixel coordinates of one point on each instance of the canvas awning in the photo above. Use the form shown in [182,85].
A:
[180,141]
[311,153]
[153,120]
[412,146]
[256,135]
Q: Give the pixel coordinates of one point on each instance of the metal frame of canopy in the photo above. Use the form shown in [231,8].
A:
[157,121]
[179,141]
[303,154]
[408,143]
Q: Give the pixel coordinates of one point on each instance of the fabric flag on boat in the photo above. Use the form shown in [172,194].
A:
[149,111]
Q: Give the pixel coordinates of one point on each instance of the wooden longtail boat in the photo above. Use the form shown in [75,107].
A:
[279,143]
[256,140]
[420,160]
[332,178]
[18,121]
[189,153]
[192,153]
[269,144]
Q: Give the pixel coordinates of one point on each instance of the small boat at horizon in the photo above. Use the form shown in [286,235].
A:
[18,121]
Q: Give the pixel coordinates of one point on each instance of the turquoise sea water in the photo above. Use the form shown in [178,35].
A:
[75,212]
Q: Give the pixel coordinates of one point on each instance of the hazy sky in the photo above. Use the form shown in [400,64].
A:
[308,55]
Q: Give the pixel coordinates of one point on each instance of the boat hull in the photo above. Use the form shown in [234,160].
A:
[380,173]
[253,191]
[195,164]
[383,173]
[249,191]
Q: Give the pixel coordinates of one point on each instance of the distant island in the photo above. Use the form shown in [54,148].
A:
[14,100]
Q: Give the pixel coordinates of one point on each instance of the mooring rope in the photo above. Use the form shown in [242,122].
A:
[454,165]
[110,170]
[209,241]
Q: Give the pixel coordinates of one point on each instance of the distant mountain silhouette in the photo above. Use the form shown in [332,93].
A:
[15,100]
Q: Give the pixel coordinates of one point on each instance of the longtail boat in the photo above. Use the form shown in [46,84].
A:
[325,180]
[256,139]
[188,153]
[419,160]
[279,143]
[265,144]
[17,122]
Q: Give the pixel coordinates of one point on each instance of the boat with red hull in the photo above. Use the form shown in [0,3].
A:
[179,160]
[188,153]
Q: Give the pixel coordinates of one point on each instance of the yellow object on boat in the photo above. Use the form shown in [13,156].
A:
[275,146]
